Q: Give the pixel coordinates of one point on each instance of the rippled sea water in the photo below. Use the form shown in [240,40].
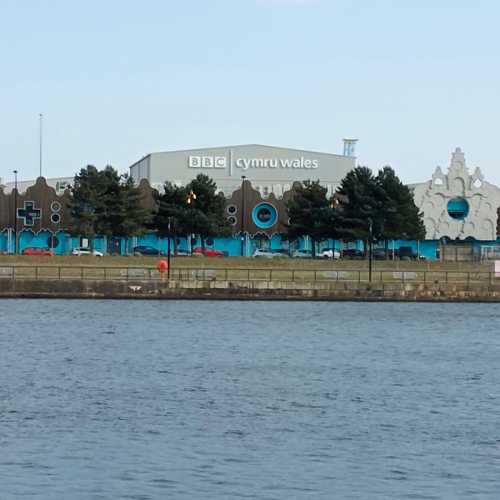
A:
[263,400]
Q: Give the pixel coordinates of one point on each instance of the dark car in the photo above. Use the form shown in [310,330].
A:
[379,254]
[146,250]
[353,253]
[407,253]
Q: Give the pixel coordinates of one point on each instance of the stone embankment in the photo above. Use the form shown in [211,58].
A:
[250,290]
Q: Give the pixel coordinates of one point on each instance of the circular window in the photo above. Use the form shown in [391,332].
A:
[55,218]
[264,215]
[231,209]
[458,208]
[55,206]
[209,241]
[232,220]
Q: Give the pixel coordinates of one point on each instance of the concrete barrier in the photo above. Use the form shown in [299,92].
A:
[249,290]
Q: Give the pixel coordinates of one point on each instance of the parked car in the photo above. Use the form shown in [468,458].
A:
[269,254]
[329,253]
[146,250]
[379,254]
[79,251]
[407,253]
[301,254]
[281,252]
[353,253]
[38,251]
[208,252]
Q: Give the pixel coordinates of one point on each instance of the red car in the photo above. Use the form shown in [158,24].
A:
[38,251]
[208,252]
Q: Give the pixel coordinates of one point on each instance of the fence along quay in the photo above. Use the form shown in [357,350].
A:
[249,283]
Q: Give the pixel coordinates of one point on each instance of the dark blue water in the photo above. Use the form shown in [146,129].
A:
[227,400]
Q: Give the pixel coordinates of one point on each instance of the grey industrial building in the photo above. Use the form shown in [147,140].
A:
[270,169]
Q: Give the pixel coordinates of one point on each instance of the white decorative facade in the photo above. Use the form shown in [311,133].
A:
[458,204]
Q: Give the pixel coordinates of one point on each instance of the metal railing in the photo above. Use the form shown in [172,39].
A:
[89,273]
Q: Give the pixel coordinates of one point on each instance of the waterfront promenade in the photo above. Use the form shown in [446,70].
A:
[252,279]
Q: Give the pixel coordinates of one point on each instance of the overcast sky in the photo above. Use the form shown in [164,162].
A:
[118,79]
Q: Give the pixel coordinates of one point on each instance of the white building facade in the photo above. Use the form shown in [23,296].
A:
[458,204]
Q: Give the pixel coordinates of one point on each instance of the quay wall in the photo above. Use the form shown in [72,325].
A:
[250,290]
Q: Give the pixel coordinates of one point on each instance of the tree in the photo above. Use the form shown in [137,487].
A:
[106,203]
[131,217]
[402,219]
[311,214]
[171,211]
[364,201]
[194,209]
[86,203]
[384,200]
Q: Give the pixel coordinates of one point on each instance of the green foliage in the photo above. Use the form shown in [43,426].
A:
[402,218]
[86,203]
[194,209]
[311,213]
[106,203]
[384,200]
[365,201]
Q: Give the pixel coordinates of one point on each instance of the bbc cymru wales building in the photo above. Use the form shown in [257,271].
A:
[257,182]
[270,169]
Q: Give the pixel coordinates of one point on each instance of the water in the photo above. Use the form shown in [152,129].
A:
[228,400]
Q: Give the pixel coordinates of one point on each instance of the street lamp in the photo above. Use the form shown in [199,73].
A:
[242,222]
[370,248]
[169,226]
[15,211]
[190,200]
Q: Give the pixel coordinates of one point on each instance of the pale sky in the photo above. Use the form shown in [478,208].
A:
[118,79]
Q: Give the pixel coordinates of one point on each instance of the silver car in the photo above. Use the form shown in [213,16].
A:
[79,251]
[268,254]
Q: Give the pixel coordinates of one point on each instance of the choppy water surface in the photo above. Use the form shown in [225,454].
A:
[215,400]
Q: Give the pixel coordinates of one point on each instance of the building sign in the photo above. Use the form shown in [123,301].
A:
[207,162]
[304,163]
[220,162]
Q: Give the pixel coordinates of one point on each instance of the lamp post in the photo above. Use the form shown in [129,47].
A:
[370,248]
[190,199]
[15,211]
[168,246]
[242,222]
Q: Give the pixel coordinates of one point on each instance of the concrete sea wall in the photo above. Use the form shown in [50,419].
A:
[250,290]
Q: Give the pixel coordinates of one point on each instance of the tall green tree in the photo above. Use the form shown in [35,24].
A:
[193,209]
[86,203]
[311,213]
[106,203]
[133,216]
[402,219]
[364,203]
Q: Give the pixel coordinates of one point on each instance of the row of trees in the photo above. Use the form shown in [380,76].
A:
[107,203]
[365,206]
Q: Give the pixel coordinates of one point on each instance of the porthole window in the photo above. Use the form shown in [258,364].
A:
[55,206]
[232,210]
[458,208]
[264,215]
[55,218]
[232,220]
